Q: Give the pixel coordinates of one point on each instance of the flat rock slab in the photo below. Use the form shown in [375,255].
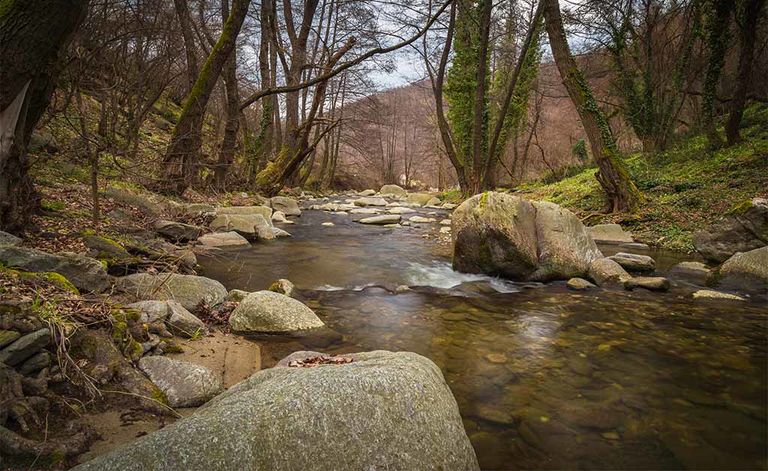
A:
[370,201]
[634,263]
[381,220]
[85,273]
[710,294]
[265,211]
[25,347]
[651,283]
[400,210]
[9,239]
[184,384]
[421,220]
[223,239]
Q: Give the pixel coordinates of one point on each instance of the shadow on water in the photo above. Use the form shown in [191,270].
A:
[544,377]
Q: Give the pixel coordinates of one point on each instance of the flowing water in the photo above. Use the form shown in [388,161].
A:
[545,378]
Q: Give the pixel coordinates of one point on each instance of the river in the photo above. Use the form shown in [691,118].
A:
[544,377]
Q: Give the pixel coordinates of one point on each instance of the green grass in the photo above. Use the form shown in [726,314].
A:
[685,187]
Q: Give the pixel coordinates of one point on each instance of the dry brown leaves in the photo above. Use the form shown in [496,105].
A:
[311,362]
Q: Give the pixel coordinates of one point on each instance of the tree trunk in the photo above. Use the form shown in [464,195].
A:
[183,156]
[187,29]
[748,15]
[232,125]
[717,38]
[32,36]
[621,192]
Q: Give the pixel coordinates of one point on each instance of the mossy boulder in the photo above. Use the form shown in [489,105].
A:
[189,290]
[392,190]
[383,410]
[418,198]
[746,271]
[745,228]
[85,273]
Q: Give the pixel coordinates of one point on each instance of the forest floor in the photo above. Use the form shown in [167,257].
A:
[685,187]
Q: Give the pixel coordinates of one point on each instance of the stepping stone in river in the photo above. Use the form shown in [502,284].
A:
[579,284]
[634,262]
[651,283]
[381,220]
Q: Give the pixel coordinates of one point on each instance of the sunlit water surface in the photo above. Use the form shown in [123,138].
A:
[545,378]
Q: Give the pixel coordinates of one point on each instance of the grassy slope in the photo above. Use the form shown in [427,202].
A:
[685,187]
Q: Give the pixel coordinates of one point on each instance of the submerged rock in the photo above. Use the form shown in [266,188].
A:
[184,384]
[744,229]
[505,235]
[579,284]
[188,290]
[609,233]
[746,271]
[651,283]
[287,206]
[381,220]
[383,410]
[85,273]
[693,272]
[268,311]
[710,294]
[634,263]
[392,190]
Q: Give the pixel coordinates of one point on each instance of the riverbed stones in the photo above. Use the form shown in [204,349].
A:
[24,347]
[383,410]
[381,220]
[704,294]
[744,229]
[693,272]
[366,211]
[607,273]
[268,311]
[188,290]
[367,193]
[182,322]
[282,286]
[610,234]
[420,199]
[9,239]
[433,202]
[183,383]
[392,190]
[505,235]
[223,239]
[634,263]
[400,210]
[85,273]
[370,201]
[286,205]
[651,283]
[746,271]
[579,284]
[279,216]
[421,220]
[177,231]
[247,225]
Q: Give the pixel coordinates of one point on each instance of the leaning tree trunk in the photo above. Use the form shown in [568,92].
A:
[621,192]
[183,156]
[32,36]
[231,127]
[718,21]
[748,15]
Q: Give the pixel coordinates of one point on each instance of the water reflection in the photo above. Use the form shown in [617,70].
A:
[545,378]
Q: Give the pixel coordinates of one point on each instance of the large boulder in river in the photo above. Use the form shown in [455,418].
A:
[188,290]
[269,311]
[287,206]
[392,190]
[505,235]
[383,410]
[85,273]
[223,239]
[607,273]
[250,226]
[744,229]
[747,271]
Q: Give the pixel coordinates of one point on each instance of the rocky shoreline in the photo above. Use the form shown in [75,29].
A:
[116,317]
